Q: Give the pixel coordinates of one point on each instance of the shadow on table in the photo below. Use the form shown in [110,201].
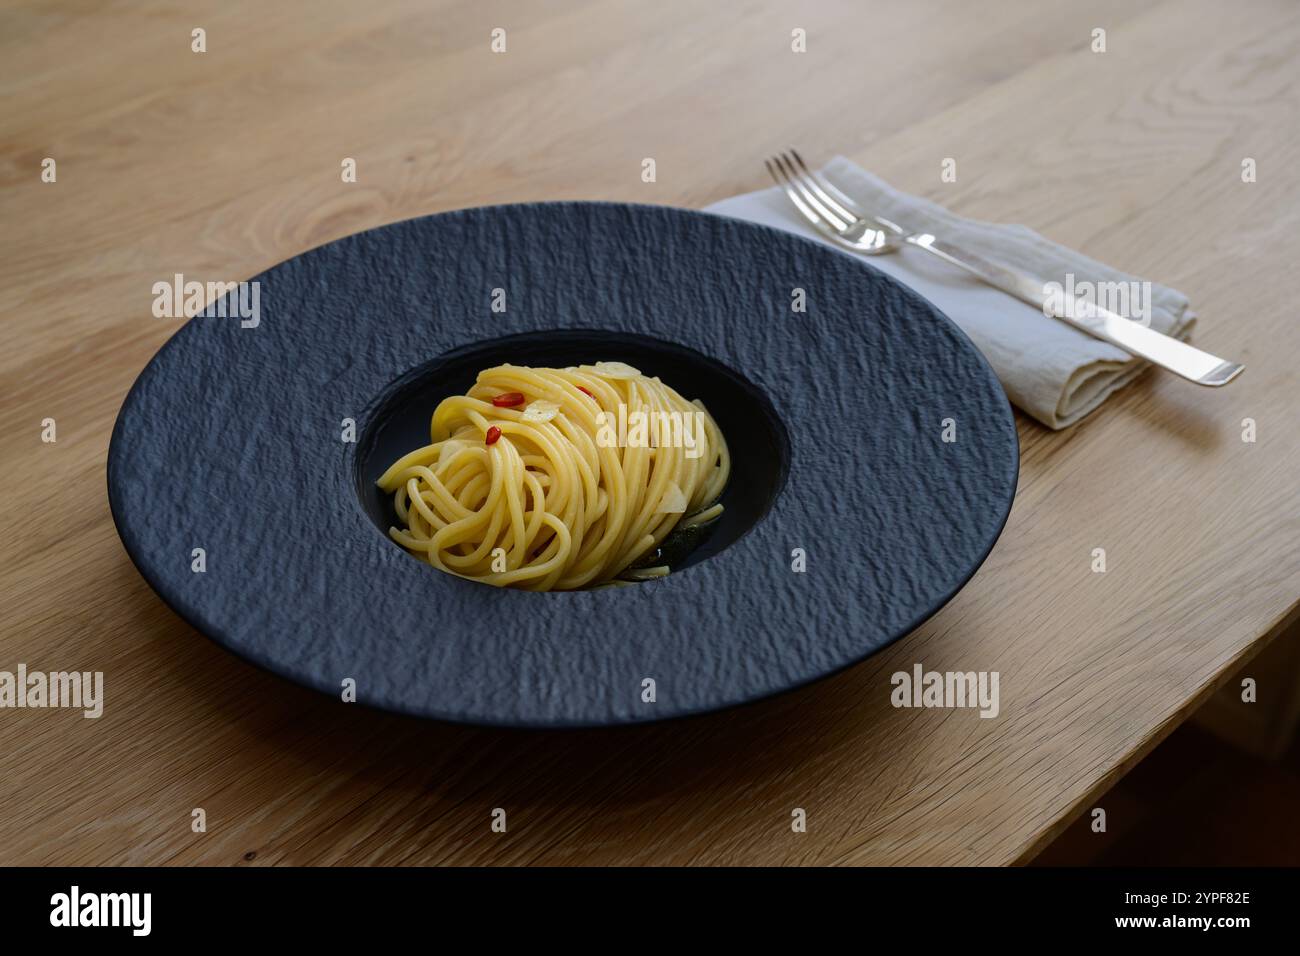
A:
[447,777]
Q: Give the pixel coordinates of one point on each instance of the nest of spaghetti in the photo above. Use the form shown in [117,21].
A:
[559,479]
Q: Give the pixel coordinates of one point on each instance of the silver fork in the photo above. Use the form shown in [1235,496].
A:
[842,220]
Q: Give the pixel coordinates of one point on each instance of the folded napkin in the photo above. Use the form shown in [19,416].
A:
[1049,369]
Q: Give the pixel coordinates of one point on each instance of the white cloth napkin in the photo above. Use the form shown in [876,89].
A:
[1050,370]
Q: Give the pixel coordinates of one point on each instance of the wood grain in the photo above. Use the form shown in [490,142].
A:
[224,163]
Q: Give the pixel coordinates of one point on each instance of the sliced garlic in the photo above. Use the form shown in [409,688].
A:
[615,370]
[450,447]
[673,501]
[540,411]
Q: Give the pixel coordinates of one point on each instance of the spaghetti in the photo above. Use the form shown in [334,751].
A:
[557,479]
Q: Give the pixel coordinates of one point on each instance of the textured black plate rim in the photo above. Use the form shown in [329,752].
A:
[274,666]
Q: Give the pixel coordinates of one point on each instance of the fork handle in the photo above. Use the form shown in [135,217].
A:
[1166,351]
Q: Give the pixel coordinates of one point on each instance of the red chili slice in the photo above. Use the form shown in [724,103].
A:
[585,392]
[508,400]
[493,434]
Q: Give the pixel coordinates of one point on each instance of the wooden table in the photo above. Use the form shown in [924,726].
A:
[220,164]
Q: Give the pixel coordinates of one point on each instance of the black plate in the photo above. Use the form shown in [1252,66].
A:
[232,441]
